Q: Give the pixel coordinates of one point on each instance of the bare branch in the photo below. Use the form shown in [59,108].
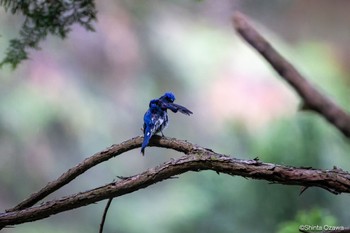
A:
[312,98]
[198,159]
[113,151]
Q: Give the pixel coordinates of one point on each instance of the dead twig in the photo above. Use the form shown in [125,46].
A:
[105,214]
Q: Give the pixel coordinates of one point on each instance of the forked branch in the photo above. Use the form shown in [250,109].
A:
[197,159]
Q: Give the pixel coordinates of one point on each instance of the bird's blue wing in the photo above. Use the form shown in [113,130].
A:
[147,129]
[154,122]
[182,109]
[176,107]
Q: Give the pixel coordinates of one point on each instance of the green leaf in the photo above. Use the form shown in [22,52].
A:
[44,18]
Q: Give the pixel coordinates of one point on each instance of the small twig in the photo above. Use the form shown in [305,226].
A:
[105,214]
[312,98]
[303,189]
[123,177]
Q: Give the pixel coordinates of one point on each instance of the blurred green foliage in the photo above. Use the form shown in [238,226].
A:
[312,218]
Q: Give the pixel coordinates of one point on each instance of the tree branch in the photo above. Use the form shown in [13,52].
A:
[312,98]
[198,159]
[113,151]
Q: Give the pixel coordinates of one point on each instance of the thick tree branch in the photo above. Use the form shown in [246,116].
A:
[113,151]
[312,98]
[198,159]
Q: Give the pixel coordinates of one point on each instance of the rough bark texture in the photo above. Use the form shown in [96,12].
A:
[197,159]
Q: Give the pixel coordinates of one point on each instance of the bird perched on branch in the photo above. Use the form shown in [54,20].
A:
[156,118]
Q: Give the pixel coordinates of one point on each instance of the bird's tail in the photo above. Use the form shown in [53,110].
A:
[146,138]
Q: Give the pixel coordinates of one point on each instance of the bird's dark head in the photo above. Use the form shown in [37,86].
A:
[168,97]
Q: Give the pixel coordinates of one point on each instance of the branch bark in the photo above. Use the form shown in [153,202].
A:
[312,98]
[113,151]
[197,159]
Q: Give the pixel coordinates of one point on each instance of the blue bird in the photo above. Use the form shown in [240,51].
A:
[167,102]
[156,118]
